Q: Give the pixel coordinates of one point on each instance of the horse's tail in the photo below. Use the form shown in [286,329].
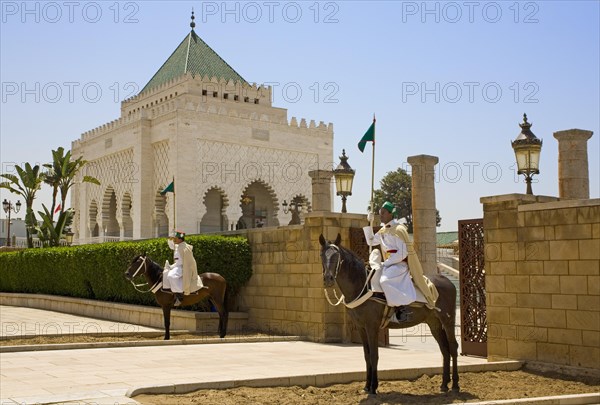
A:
[224,318]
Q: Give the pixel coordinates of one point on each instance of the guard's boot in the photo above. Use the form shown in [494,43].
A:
[403,313]
[178,299]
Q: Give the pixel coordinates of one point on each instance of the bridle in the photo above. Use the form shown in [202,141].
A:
[362,296]
[339,261]
[144,265]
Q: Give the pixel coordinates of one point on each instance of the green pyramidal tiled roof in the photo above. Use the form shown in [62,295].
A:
[193,56]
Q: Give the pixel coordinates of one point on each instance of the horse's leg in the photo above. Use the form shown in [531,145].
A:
[167,316]
[218,299]
[453,347]
[367,354]
[223,316]
[373,342]
[440,336]
[224,320]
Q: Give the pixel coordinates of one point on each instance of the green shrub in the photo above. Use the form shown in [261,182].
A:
[97,271]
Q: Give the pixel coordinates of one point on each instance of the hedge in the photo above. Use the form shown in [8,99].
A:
[97,271]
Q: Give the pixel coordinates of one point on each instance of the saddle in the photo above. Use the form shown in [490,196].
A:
[394,314]
[168,291]
[399,314]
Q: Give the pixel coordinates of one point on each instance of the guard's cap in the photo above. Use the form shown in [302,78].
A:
[178,234]
[389,207]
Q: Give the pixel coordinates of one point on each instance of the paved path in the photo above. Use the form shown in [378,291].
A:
[104,375]
[20,321]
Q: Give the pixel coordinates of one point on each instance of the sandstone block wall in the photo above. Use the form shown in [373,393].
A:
[542,263]
[285,293]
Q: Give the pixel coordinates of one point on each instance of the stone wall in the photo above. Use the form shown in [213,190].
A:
[132,314]
[542,263]
[285,293]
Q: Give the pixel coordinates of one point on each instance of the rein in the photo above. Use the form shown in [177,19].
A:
[362,296]
[153,288]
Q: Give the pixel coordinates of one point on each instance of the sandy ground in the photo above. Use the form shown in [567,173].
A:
[475,387]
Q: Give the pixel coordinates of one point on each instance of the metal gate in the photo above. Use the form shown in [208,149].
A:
[473,317]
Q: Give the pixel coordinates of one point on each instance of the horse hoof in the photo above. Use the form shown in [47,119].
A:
[456,389]
[444,388]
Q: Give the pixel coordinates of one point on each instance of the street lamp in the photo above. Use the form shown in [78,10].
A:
[8,208]
[69,237]
[294,207]
[344,175]
[527,149]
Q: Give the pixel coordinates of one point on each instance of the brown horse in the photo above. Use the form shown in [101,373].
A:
[214,289]
[342,267]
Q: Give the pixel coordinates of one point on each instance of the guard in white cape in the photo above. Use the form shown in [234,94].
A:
[400,271]
[181,277]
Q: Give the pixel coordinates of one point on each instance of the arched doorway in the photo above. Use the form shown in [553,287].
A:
[296,208]
[109,213]
[159,217]
[216,203]
[93,227]
[258,204]
[126,220]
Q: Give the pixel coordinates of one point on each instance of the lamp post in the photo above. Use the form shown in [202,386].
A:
[344,175]
[8,208]
[527,149]
[294,207]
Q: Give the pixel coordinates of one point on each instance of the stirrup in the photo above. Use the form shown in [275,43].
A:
[388,313]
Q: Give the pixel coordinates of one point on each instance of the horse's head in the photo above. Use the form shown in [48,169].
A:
[331,259]
[138,266]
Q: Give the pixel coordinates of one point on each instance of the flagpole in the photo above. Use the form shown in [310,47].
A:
[174,207]
[372,181]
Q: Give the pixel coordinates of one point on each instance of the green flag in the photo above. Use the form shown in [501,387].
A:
[369,136]
[169,189]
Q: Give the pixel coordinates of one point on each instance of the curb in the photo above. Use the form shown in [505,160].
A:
[320,380]
[576,399]
[141,343]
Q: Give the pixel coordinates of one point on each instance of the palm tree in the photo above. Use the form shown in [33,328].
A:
[70,170]
[61,176]
[26,184]
[62,173]
[53,175]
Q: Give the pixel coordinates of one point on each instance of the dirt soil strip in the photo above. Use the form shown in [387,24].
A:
[475,387]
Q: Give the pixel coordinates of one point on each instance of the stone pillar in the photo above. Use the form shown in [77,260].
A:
[233,212]
[423,211]
[321,190]
[143,191]
[573,173]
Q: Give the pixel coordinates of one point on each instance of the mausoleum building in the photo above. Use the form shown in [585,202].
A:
[233,157]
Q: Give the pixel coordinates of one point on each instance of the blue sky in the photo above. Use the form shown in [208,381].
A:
[449,79]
